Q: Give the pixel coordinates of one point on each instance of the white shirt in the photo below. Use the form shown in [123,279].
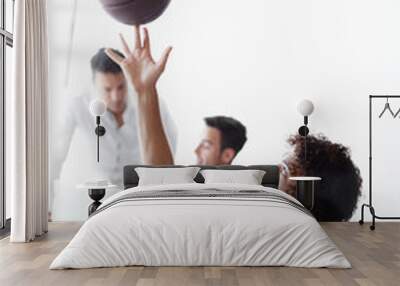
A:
[118,147]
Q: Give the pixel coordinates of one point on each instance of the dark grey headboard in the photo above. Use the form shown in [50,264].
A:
[271,177]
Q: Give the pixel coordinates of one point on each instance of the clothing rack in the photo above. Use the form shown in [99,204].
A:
[370,205]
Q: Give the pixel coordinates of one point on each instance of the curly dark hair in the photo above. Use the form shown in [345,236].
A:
[340,188]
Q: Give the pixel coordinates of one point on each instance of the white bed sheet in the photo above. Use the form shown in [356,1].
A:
[200,232]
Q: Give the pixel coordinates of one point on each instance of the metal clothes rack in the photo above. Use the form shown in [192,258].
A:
[370,205]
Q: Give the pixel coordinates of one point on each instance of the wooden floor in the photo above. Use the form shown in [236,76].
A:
[375,257]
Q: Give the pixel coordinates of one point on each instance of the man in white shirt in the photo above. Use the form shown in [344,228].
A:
[120,145]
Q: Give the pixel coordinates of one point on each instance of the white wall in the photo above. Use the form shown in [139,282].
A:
[255,60]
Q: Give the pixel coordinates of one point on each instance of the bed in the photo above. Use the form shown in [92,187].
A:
[198,224]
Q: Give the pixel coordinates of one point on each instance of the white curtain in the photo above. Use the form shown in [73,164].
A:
[28,123]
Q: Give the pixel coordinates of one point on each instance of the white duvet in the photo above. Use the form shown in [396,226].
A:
[200,231]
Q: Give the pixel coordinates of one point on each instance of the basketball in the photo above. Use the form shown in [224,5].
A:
[135,12]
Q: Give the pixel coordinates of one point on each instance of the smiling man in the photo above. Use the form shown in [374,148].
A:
[223,138]
[120,145]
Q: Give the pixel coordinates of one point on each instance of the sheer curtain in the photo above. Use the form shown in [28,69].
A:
[28,123]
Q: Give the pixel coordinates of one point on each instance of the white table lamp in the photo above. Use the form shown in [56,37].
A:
[305,108]
[97,108]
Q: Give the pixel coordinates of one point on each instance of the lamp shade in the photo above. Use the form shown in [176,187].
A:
[305,107]
[97,107]
[135,12]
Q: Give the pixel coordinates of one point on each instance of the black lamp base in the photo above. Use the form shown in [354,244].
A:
[303,130]
[100,130]
[96,195]
[306,193]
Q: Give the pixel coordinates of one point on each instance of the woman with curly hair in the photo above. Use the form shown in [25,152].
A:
[340,188]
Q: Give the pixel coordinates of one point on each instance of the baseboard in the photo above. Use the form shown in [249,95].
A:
[5,231]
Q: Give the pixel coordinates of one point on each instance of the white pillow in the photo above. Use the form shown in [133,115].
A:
[162,176]
[248,177]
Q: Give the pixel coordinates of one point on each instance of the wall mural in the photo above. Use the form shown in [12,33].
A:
[110,83]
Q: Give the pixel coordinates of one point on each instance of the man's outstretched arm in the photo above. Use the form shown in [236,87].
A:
[143,72]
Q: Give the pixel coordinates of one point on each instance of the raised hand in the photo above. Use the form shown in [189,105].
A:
[138,65]
[143,72]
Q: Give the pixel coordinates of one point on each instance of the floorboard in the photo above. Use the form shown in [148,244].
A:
[374,255]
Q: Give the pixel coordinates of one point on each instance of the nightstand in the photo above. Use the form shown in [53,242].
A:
[96,193]
[305,190]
